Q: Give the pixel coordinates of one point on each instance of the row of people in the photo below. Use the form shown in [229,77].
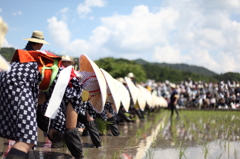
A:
[42,90]
[200,94]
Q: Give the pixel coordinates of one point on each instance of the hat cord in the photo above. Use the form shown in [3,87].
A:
[37,38]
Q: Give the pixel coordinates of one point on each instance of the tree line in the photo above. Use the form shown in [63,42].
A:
[145,70]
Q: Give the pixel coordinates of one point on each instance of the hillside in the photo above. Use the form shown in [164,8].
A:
[146,70]
[182,67]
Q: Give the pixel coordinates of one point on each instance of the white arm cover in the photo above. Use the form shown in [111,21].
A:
[58,92]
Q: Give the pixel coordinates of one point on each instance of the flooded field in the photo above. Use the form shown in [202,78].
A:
[199,135]
[195,134]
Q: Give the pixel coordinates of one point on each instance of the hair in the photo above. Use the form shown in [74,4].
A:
[32,43]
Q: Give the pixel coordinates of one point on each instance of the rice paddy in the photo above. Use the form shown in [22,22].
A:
[198,134]
[202,134]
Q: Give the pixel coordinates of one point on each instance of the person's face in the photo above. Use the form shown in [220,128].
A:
[66,63]
[39,46]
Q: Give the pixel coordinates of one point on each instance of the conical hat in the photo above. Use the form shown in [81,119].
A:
[132,89]
[94,82]
[147,94]
[141,99]
[154,100]
[112,87]
[3,30]
[163,102]
[124,95]
[4,64]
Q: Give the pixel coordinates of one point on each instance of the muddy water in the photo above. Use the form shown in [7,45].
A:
[164,138]
[176,141]
[132,143]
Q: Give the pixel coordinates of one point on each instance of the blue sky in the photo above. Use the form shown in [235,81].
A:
[203,33]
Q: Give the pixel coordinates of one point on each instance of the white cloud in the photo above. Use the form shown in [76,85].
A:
[6,44]
[84,8]
[17,13]
[141,30]
[169,54]
[59,32]
[181,31]
[64,10]
[63,13]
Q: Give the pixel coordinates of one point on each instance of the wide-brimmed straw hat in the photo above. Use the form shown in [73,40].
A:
[132,89]
[124,95]
[131,75]
[68,58]
[3,30]
[141,101]
[113,93]
[37,37]
[120,79]
[94,82]
[172,85]
[147,94]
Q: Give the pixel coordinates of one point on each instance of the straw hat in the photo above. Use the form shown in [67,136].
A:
[37,37]
[68,58]
[132,89]
[131,75]
[147,94]
[120,79]
[172,85]
[124,96]
[141,101]
[94,82]
[3,30]
[113,93]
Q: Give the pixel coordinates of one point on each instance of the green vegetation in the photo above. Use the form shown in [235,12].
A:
[102,125]
[7,53]
[121,67]
[208,131]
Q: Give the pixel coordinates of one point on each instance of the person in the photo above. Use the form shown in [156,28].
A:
[65,124]
[36,41]
[19,99]
[67,61]
[132,77]
[173,99]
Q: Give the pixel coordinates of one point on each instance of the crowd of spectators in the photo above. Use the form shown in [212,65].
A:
[199,94]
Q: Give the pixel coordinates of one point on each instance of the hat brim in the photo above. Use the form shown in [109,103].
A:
[37,41]
[98,101]
[124,96]
[146,94]
[72,62]
[141,99]
[4,64]
[132,89]
[113,87]
[163,102]
[3,30]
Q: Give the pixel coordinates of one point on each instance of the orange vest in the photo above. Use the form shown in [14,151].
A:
[48,64]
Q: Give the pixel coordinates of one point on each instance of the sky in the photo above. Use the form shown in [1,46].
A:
[202,33]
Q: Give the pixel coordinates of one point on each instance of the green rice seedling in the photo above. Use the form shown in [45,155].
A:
[85,153]
[235,153]
[102,125]
[206,150]
[219,156]
[225,145]
[117,154]
[149,154]
[182,150]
